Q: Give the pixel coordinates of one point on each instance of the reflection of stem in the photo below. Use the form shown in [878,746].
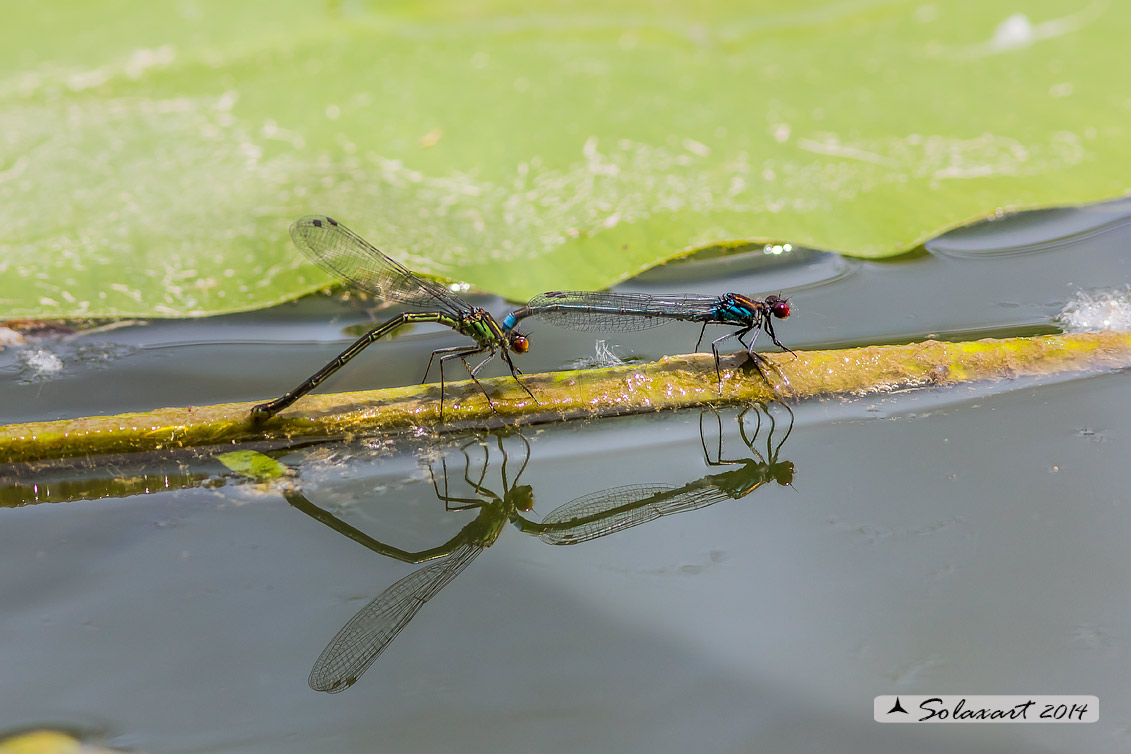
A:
[70,480]
[672,382]
[15,493]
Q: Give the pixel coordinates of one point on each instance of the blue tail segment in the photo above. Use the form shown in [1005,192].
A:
[733,313]
[509,322]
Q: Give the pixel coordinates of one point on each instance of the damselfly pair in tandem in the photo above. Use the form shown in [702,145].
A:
[349,257]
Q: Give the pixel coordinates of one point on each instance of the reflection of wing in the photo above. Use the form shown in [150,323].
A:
[608,511]
[364,638]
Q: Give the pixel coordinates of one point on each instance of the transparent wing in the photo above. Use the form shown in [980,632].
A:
[364,638]
[346,255]
[590,311]
[612,510]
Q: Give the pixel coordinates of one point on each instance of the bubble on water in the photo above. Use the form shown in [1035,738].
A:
[42,365]
[1095,311]
[39,365]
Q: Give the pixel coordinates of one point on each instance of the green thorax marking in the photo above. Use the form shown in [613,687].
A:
[487,526]
[740,482]
[750,475]
[480,325]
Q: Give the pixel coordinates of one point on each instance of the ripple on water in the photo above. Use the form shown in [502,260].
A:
[1031,232]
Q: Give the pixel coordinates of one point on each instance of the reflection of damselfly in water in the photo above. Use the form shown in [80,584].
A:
[609,511]
[362,640]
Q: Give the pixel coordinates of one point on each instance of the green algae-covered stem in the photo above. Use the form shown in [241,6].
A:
[672,382]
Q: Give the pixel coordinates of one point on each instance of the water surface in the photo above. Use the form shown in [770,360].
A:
[965,540]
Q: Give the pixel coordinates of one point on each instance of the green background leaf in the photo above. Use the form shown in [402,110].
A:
[253,464]
[153,155]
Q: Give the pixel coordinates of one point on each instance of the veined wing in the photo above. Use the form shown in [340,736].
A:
[346,255]
[618,312]
[602,513]
[364,638]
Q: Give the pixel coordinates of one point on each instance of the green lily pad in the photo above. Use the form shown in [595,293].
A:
[253,464]
[153,155]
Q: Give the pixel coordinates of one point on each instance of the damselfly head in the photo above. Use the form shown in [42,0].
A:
[521,496]
[779,307]
[518,342]
[782,473]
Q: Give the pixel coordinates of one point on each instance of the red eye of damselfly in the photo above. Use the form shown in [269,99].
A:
[779,307]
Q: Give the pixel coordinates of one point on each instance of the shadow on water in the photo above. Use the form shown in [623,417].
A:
[366,635]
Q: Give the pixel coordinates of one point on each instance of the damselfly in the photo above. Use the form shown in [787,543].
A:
[606,311]
[346,255]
